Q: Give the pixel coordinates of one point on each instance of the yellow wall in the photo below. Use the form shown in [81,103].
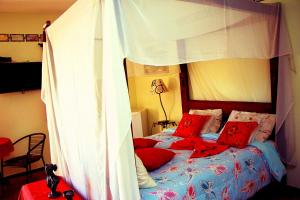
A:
[12,23]
[142,98]
[21,114]
[291,12]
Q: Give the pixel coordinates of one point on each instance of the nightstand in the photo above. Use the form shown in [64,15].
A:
[139,122]
[165,124]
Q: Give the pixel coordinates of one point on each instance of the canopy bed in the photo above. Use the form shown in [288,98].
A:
[233,174]
[84,86]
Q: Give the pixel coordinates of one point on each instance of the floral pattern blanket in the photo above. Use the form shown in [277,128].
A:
[232,174]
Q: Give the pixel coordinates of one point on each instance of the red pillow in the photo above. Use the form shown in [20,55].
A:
[154,158]
[237,134]
[143,143]
[191,125]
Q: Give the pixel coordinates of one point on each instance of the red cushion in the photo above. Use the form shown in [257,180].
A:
[154,158]
[143,143]
[191,125]
[237,134]
[205,149]
[185,144]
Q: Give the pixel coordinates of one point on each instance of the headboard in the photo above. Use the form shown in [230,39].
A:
[228,106]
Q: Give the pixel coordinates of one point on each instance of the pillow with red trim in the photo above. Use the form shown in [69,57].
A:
[266,123]
[191,125]
[237,134]
[139,143]
[214,123]
[154,158]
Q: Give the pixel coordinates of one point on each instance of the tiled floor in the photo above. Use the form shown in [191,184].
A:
[11,189]
[274,191]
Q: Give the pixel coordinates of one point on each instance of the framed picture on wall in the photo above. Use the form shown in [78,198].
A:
[4,37]
[17,37]
[32,37]
[150,70]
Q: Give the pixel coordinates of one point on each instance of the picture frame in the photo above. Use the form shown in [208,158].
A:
[17,37]
[32,37]
[150,70]
[4,37]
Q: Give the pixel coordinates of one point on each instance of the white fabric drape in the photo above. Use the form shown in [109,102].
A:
[84,85]
[90,138]
[76,126]
[189,31]
[230,80]
[122,173]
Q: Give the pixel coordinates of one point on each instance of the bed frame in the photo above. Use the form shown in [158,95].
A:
[228,106]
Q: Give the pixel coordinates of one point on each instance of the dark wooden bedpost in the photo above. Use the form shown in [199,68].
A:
[184,88]
[125,70]
[274,64]
[274,81]
[46,25]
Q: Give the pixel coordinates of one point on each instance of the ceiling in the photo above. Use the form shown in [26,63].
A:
[34,6]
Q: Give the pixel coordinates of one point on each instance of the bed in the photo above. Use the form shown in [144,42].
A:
[233,174]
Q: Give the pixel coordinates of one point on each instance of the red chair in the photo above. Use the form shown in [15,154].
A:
[6,147]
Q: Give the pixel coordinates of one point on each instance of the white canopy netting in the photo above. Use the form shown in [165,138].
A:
[84,86]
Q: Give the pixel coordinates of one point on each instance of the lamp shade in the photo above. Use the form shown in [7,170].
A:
[158,86]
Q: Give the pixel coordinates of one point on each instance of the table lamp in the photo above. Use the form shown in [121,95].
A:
[158,87]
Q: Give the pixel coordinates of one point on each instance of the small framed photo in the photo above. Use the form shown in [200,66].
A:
[17,37]
[148,69]
[32,37]
[4,37]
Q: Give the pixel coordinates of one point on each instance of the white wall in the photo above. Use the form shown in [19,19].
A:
[18,23]
[291,11]
[21,114]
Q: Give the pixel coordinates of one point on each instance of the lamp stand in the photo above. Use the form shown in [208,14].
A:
[164,123]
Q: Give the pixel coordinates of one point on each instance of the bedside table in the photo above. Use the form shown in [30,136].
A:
[164,124]
[139,121]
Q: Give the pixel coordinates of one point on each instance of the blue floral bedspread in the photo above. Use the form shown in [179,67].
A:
[233,174]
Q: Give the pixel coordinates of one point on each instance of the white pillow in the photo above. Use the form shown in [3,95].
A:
[144,180]
[266,123]
[213,125]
